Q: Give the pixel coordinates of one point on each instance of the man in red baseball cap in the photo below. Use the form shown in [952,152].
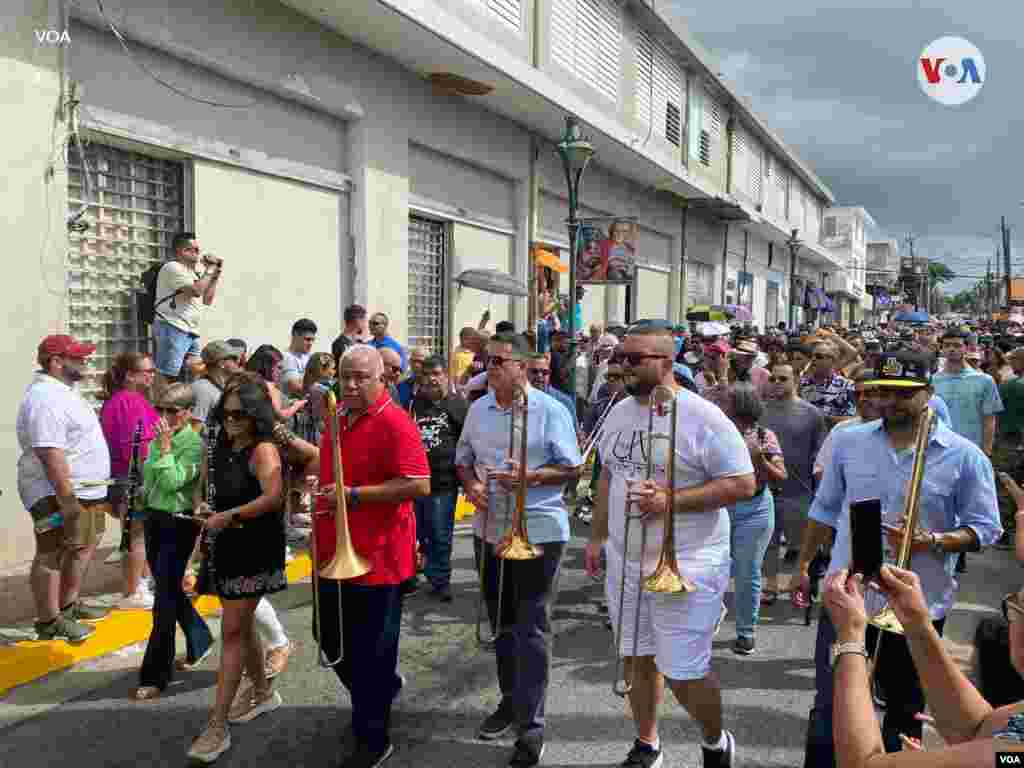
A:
[62,476]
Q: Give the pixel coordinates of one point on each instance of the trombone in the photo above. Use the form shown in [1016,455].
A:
[666,577]
[514,544]
[346,563]
[886,620]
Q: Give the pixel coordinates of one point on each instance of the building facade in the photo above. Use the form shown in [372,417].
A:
[341,151]
[845,235]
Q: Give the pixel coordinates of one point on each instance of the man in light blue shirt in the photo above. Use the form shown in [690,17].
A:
[538,372]
[489,475]
[972,396]
[958,512]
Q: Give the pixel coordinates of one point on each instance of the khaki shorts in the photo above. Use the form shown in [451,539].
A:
[54,532]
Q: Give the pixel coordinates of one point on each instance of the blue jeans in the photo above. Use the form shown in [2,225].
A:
[169,544]
[367,646]
[435,525]
[753,523]
[172,347]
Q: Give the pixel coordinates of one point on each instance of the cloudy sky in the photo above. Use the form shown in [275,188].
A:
[837,81]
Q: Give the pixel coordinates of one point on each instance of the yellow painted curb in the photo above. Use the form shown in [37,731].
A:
[32,659]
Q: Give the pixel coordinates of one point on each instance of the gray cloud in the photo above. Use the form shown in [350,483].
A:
[837,81]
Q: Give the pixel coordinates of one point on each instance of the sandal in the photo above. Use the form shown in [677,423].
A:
[769,598]
[147,693]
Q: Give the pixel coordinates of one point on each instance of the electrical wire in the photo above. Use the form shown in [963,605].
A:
[141,65]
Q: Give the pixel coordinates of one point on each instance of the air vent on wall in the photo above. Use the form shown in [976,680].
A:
[450,84]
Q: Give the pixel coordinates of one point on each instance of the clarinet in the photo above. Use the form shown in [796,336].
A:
[133,488]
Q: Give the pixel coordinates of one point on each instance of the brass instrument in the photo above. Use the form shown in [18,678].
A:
[666,578]
[514,544]
[620,685]
[886,620]
[598,425]
[133,489]
[346,563]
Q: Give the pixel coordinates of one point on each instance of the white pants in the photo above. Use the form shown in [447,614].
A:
[268,625]
[676,630]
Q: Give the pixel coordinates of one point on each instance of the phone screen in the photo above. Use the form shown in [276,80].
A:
[866,533]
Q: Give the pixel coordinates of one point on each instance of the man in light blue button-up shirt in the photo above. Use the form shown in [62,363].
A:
[958,512]
[489,473]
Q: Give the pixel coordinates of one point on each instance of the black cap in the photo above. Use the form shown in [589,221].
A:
[904,368]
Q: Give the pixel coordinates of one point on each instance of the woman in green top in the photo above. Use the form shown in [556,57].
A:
[170,475]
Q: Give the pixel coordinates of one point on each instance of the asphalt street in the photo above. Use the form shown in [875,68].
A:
[85,717]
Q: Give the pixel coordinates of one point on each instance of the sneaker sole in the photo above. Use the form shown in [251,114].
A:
[65,638]
[384,758]
[211,757]
[492,735]
[268,706]
[744,651]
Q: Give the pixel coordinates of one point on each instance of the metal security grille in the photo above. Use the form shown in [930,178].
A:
[135,208]
[427,311]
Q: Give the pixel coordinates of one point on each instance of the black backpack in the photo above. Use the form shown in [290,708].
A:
[146,297]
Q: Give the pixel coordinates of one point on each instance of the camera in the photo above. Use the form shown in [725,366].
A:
[212,261]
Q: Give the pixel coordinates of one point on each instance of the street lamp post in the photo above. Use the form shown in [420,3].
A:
[793,243]
[575,151]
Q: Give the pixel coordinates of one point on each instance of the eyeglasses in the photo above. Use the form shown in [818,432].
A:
[496,361]
[168,409]
[394,368]
[820,356]
[634,359]
[613,377]
[377,322]
[234,414]
[539,372]
[1011,606]
[778,379]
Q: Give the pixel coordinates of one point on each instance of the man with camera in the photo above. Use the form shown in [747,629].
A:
[181,292]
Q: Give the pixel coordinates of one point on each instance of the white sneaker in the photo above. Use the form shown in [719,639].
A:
[140,600]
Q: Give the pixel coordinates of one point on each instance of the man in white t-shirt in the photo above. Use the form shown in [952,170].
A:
[181,292]
[713,470]
[62,474]
[296,357]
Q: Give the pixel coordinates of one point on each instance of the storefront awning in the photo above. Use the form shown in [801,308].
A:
[550,260]
[720,207]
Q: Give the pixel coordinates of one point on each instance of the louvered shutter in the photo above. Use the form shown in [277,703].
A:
[508,11]
[586,39]
[659,75]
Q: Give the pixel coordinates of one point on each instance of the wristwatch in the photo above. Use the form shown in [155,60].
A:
[937,547]
[839,649]
[353,497]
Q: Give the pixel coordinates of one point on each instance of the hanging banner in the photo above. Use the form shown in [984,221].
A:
[607,256]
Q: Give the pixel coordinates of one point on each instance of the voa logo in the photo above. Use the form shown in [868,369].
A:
[52,37]
[951,70]
[1008,758]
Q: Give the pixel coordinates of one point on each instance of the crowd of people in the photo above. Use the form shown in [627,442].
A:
[217,461]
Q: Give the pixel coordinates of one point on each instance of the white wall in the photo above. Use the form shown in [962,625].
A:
[481,249]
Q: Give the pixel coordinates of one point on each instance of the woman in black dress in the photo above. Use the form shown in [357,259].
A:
[248,553]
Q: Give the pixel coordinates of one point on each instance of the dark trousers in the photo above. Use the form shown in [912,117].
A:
[169,544]
[899,681]
[523,644]
[370,622]
[435,525]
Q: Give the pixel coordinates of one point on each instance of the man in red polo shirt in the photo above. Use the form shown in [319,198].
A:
[385,467]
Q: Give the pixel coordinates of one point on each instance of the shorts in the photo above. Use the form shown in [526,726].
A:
[172,347]
[83,531]
[676,631]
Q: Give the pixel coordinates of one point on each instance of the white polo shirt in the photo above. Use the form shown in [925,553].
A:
[53,415]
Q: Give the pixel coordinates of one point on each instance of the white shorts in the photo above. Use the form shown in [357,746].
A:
[676,631]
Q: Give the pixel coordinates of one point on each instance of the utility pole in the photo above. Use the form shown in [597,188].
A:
[1006,259]
[988,290]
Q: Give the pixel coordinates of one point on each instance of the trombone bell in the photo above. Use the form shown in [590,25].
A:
[346,563]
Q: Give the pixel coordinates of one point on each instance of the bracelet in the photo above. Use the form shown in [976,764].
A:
[283,436]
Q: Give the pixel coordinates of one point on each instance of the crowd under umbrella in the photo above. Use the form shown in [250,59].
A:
[917,317]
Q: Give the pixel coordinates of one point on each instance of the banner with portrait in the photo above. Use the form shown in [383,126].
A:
[607,253]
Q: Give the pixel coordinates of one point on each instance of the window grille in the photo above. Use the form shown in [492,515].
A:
[586,39]
[507,11]
[137,206]
[427,295]
[652,58]
[705,147]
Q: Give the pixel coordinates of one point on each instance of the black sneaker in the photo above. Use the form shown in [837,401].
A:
[496,726]
[721,758]
[444,594]
[744,646]
[1006,541]
[364,757]
[526,755]
[643,756]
